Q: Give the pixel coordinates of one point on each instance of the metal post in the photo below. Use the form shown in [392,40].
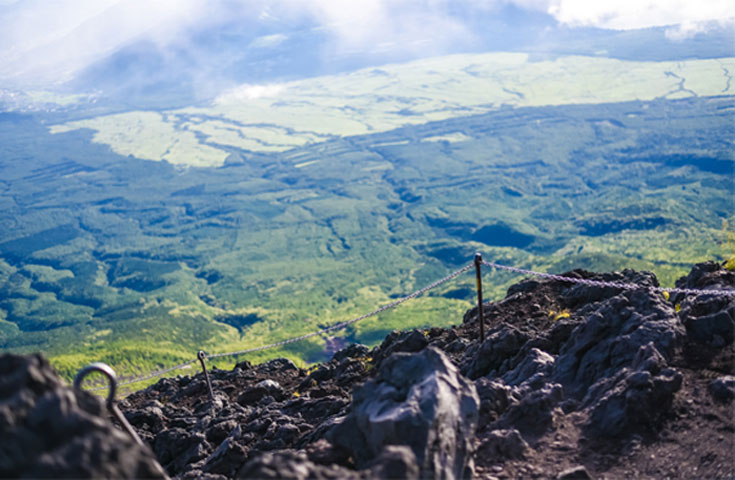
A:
[201,356]
[480,317]
[107,371]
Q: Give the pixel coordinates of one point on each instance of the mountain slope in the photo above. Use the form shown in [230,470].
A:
[107,254]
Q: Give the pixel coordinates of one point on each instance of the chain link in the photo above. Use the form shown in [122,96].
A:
[341,325]
[155,374]
[347,323]
[602,283]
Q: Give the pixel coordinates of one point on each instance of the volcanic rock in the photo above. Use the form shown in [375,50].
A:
[411,341]
[575,473]
[503,444]
[418,400]
[723,389]
[572,381]
[611,336]
[290,465]
[50,430]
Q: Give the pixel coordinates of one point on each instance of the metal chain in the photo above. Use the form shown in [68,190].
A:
[347,323]
[341,325]
[155,374]
[332,328]
[602,283]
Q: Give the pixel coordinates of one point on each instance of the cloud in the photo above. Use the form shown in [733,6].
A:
[686,30]
[415,25]
[52,41]
[631,14]
[268,41]
[250,92]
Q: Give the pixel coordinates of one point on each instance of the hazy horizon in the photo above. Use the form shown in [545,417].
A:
[203,48]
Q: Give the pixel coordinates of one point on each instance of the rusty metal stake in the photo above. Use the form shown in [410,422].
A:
[107,371]
[202,356]
[480,316]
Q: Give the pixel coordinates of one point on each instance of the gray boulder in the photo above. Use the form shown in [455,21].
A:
[177,447]
[722,389]
[530,365]
[291,465]
[705,275]
[502,444]
[709,318]
[535,412]
[395,461]
[493,356]
[495,398]
[611,335]
[615,362]
[254,394]
[418,400]
[410,341]
[635,397]
[634,403]
[575,473]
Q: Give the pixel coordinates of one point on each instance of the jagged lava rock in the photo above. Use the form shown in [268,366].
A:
[708,318]
[723,389]
[492,356]
[611,335]
[418,400]
[503,444]
[292,465]
[270,407]
[706,275]
[634,398]
[50,430]
[552,392]
[410,341]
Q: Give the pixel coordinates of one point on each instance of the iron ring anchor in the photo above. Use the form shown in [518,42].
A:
[107,371]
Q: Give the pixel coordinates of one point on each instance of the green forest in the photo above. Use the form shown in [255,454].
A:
[140,263]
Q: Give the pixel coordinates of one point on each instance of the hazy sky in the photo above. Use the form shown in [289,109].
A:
[53,39]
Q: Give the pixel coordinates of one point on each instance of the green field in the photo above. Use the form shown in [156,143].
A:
[280,117]
[109,254]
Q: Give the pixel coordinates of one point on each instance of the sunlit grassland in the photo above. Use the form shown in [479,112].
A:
[149,135]
[380,99]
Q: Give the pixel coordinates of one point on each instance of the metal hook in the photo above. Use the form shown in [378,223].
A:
[202,356]
[107,371]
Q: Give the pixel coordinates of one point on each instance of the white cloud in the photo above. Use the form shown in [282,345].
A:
[50,41]
[268,41]
[685,30]
[631,14]
[250,92]
[417,25]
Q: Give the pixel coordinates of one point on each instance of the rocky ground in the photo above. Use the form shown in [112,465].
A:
[572,381]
